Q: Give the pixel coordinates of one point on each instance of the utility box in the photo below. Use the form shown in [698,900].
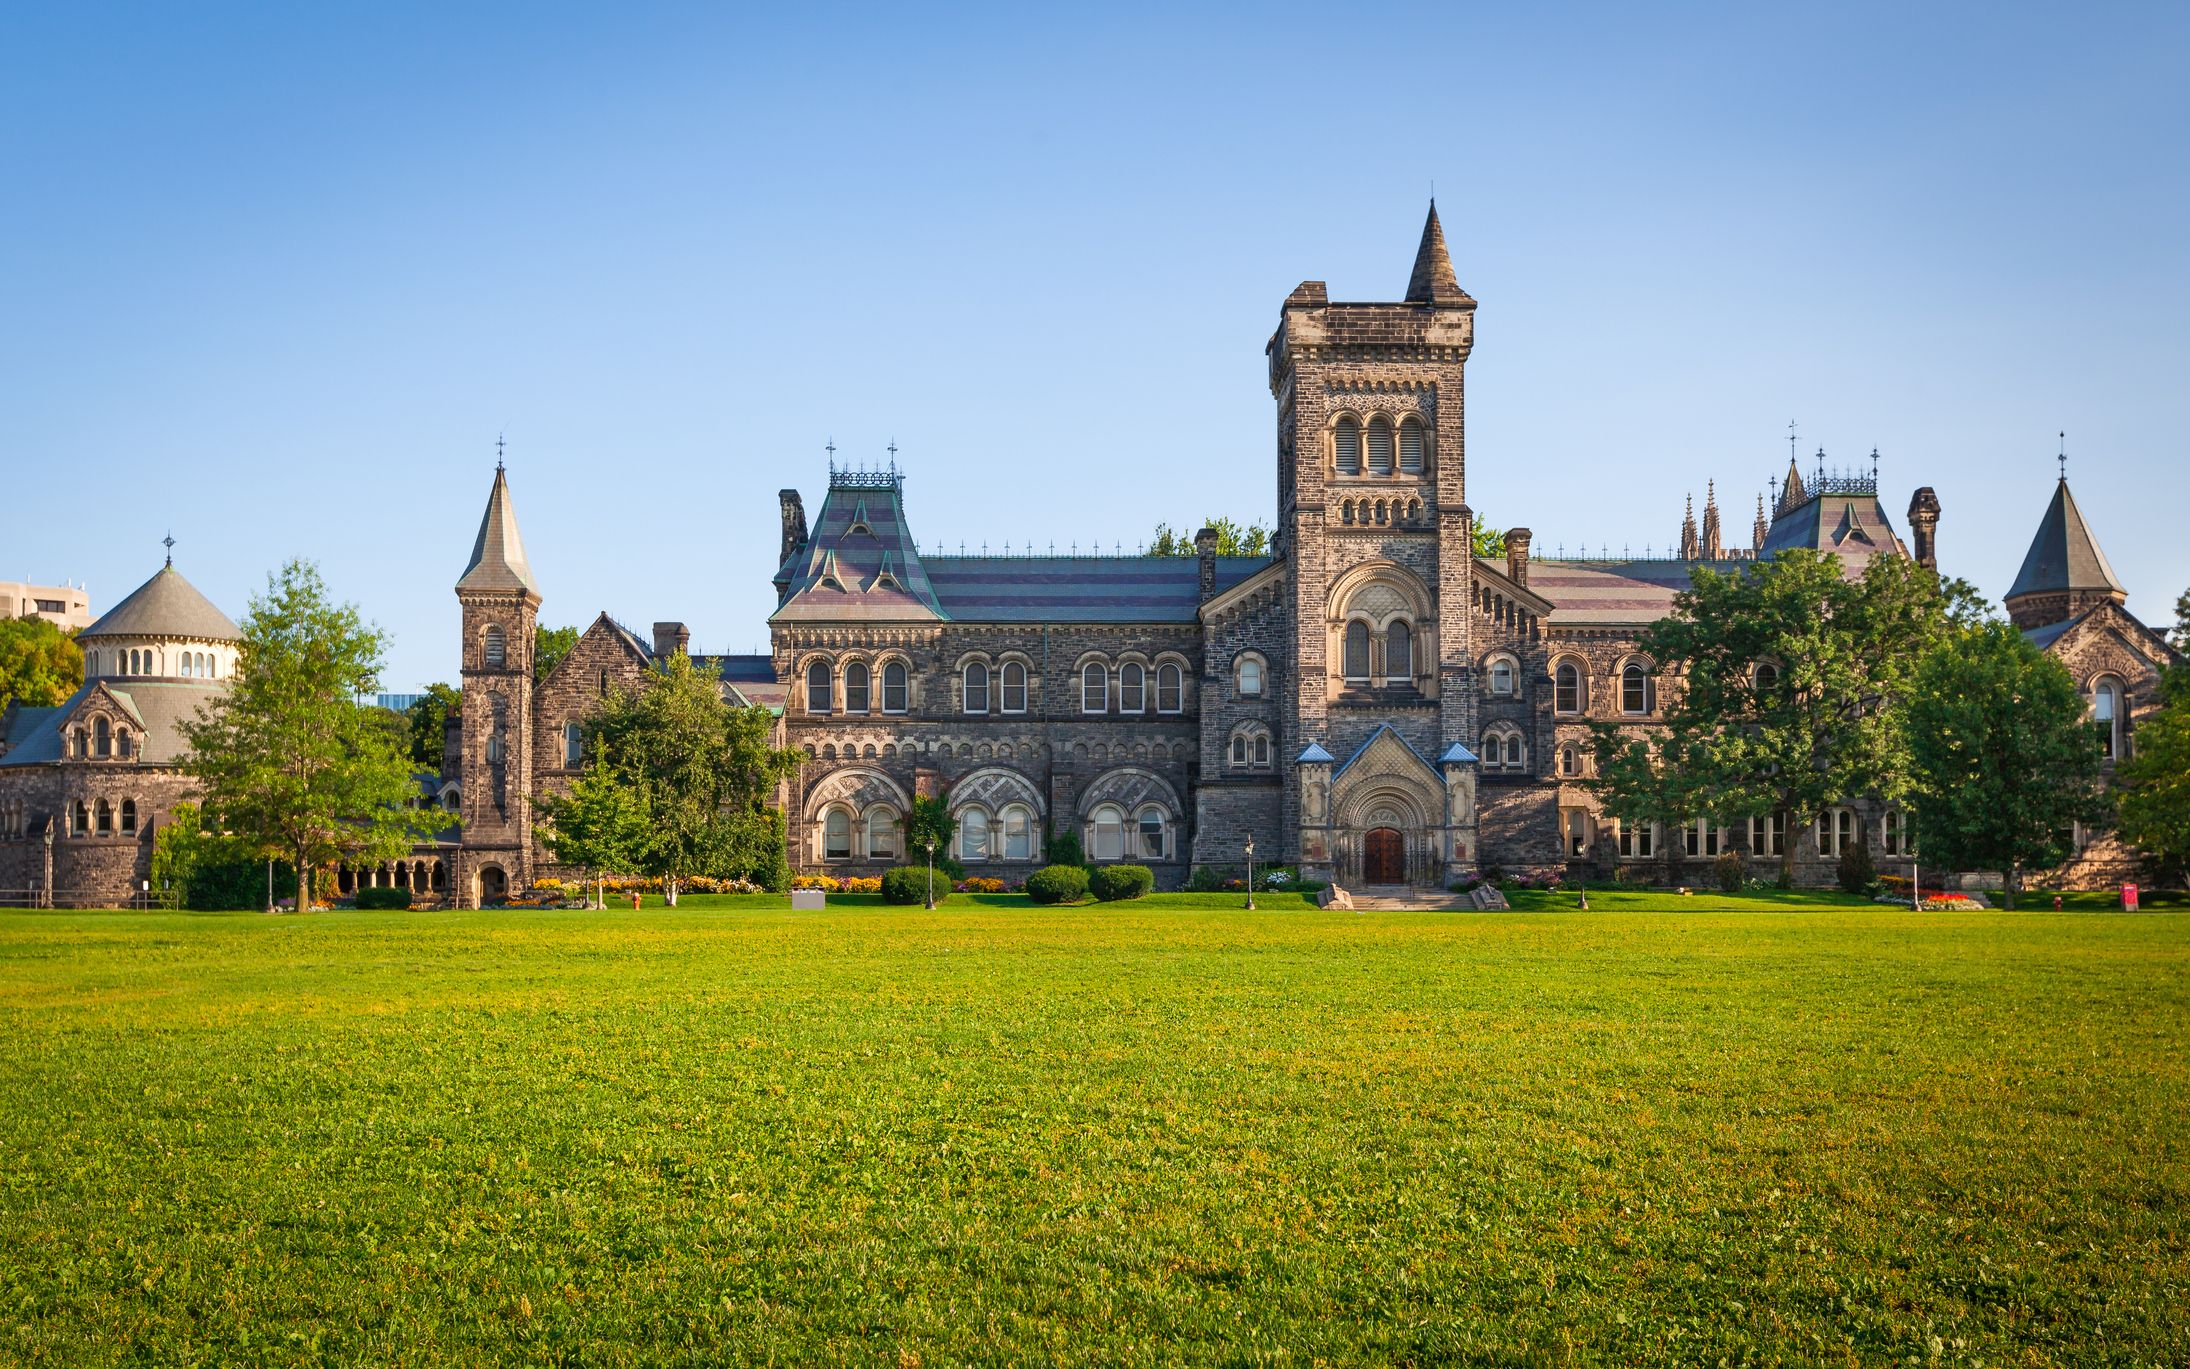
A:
[808,900]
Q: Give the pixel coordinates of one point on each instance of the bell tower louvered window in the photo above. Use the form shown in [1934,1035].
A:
[1410,448]
[1380,448]
[1348,444]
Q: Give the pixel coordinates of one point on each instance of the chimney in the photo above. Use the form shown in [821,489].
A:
[1924,527]
[1517,540]
[1205,547]
[794,524]
[671,639]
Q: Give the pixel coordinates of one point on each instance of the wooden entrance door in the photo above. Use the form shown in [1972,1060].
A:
[1383,857]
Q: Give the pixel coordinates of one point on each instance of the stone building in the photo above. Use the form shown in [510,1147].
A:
[84,785]
[1372,701]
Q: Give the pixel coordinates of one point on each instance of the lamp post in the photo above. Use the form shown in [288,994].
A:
[929,844]
[1250,874]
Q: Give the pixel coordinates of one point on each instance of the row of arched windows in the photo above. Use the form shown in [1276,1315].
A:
[1378,512]
[189,665]
[102,740]
[1371,449]
[1011,832]
[1570,688]
[1250,748]
[1135,692]
[860,692]
[1361,663]
[1837,830]
[100,817]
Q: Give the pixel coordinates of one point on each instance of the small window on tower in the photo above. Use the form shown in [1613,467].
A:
[1380,449]
[1347,445]
[493,649]
[1410,447]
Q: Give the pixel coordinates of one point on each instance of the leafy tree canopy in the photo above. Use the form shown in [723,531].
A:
[1233,539]
[1489,541]
[1783,680]
[2003,762]
[40,664]
[549,646]
[599,827]
[2155,786]
[429,724]
[286,758]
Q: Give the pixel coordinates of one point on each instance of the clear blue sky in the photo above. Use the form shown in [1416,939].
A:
[277,276]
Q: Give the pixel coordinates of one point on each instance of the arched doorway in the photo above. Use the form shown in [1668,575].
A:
[493,885]
[1383,856]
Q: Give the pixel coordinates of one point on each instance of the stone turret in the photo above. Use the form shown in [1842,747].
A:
[2064,573]
[1924,527]
[501,605]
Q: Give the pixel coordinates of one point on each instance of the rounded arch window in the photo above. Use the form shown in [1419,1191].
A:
[1764,679]
[1250,677]
[1132,688]
[1501,676]
[977,687]
[106,817]
[1106,833]
[129,816]
[1380,454]
[83,817]
[1346,447]
[102,738]
[1017,825]
[896,687]
[855,687]
[574,741]
[1566,688]
[1399,651]
[881,824]
[1570,761]
[1357,650]
[1170,688]
[1635,690]
[1149,827]
[1094,687]
[836,835]
[2106,711]
[1014,687]
[1410,447]
[1346,512]
[493,648]
[973,835]
[820,688]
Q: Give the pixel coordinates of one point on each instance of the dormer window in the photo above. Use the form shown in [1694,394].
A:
[102,738]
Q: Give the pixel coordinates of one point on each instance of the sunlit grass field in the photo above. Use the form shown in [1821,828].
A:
[1118,1134]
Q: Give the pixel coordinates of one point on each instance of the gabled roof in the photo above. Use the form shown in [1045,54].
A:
[2064,555]
[752,679]
[159,707]
[838,574]
[1853,527]
[498,554]
[166,605]
[1457,754]
[1432,281]
[1384,730]
[1315,755]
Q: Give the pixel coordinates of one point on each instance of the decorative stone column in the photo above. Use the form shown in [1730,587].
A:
[1318,843]
[1457,836]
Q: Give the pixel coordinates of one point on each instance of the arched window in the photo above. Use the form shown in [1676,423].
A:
[186,659]
[1094,688]
[83,818]
[1410,447]
[1170,688]
[1399,651]
[1250,677]
[1346,512]
[855,687]
[1151,827]
[1018,824]
[1239,749]
[1516,758]
[123,743]
[1889,832]
[1764,679]
[102,738]
[133,657]
[1357,650]
[820,688]
[1347,443]
[1836,831]
[882,832]
[494,750]
[493,648]
[83,743]
[1014,681]
[1570,761]
[106,818]
[452,799]
[1635,690]
[129,817]
[2106,712]
[836,835]
[1132,688]
[1380,453]
[1501,676]
[1106,833]
[574,742]
[973,835]
[896,695]
[977,687]
[1566,688]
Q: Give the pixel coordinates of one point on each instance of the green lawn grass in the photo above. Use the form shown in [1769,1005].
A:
[1124,1133]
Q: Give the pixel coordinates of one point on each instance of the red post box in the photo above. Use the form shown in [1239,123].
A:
[2129,898]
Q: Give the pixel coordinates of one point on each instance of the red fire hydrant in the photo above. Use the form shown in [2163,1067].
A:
[2056,903]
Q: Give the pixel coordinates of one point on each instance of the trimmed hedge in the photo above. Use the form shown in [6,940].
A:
[1057,884]
[908,885]
[1116,883]
[383,898]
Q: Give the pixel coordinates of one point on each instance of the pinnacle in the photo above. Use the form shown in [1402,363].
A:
[1433,281]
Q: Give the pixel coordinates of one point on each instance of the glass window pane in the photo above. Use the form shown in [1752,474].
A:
[1170,686]
[855,688]
[838,842]
[818,687]
[894,687]
[973,835]
[1015,688]
[1132,688]
[1094,689]
[1151,834]
[977,688]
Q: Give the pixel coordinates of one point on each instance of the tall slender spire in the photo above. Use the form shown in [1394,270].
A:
[1689,545]
[1433,281]
[1762,528]
[1712,548]
[498,554]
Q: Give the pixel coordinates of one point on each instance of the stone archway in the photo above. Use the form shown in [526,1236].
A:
[1383,856]
[493,885]
[1387,789]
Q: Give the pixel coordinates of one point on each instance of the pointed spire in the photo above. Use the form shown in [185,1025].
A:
[1757,539]
[498,554]
[1689,545]
[2064,556]
[1433,281]
[1793,492]
[1712,548]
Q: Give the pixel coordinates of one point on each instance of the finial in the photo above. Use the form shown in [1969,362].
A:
[169,542]
[1790,441]
[893,454]
[498,444]
[2064,455]
[830,447]
[1774,483]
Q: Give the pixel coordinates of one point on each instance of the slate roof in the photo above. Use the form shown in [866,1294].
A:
[859,562]
[1079,589]
[498,553]
[160,706]
[166,605]
[1613,593]
[753,679]
[1853,527]
[2064,555]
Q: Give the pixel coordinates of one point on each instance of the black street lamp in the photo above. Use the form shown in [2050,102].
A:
[930,845]
[1250,873]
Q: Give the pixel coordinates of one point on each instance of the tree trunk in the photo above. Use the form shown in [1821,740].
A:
[669,890]
[2007,888]
[303,901]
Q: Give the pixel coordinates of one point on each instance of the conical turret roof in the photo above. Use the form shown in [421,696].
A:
[498,554]
[165,606]
[2064,555]
[1433,281]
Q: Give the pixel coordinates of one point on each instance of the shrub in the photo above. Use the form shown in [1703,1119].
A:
[1855,871]
[1116,883]
[1063,849]
[863,884]
[383,898]
[228,885]
[1057,884]
[1731,871]
[908,885]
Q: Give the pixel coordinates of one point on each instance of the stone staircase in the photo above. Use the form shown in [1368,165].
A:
[1397,898]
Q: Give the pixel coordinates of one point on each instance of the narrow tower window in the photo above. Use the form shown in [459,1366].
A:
[818,687]
[1380,449]
[493,649]
[1410,447]
[1348,443]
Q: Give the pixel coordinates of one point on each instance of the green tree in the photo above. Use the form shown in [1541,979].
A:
[2004,762]
[1489,541]
[549,646]
[930,823]
[40,665]
[2182,622]
[701,773]
[1233,539]
[286,758]
[2154,787]
[1781,683]
[600,827]
[429,724]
